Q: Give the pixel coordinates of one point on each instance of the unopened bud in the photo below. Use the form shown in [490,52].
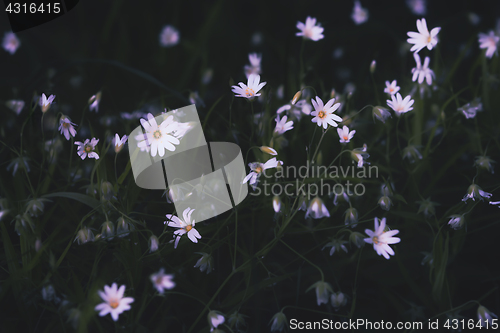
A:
[268,150]
[296,97]
[373,66]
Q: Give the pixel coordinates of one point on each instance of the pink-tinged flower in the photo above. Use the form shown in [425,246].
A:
[254,67]
[282,125]
[423,38]
[489,42]
[87,148]
[400,105]
[317,209]
[475,192]
[310,30]
[159,137]
[345,135]
[456,221]
[323,114]
[359,14]
[15,105]
[215,319]
[66,127]
[10,42]
[391,88]
[114,302]
[381,239]
[418,7]
[185,226]
[251,89]
[169,36]
[118,143]
[162,281]
[45,102]
[422,72]
[258,168]
[94,102]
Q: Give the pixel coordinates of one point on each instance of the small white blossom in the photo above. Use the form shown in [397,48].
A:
[254,67]
[391,87]
[258,168]
[87,148]
[114,302]
[162,281]
[66,127]
[470,110]
[475,192]
[323,290]
[423,38]
[159,137]
[489,42]
[169,36]
[323,114]
[381,239]
[485,316]
[456,221]
[418,7]
[10,42]
[360,155]
[251,89]
[184,225]
[118,143]
[317,209]
[94,102]
[359,14]
[205,263]
[338,300]
[153,243]
[336,245]
[215,319]
[345,135]
[422,72]
[45,102]
[400,105]
[278,322]
[15,105]
[310,30]
[282,125]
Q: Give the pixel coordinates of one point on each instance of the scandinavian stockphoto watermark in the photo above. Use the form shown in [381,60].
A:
[315,180]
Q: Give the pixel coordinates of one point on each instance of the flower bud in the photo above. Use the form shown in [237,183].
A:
[484,162]
[427,207]
[278,322]
[84,235]
[323,290]
[38,244]
[351,217]
[107,191]
[236,320]
[215,319]
[485,316]
[357,239]
[122,227]
[338,300]
[268,150]
[380,113]
[276,204]
[23,222]
[296,97]
[456,221]
[35,207]
[373,66]
[153,243]
[108,230]
[205,263]
[385,202]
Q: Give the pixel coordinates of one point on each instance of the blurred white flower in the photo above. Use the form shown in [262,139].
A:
[118,143]
[278,322]
[194,98]
[251,89]
[258,168]
[10,42]
[19,162]
[423,38]
[400,105]
[153,243]
[380,113]
[391,88]
[282,125]
[215,319]
[162,281]
[323,114]
[338,300]
[122,227]
[470,109]
[254,67]
[36,206]
[456,221]
[185,226]
[385,202]
[45,102]
[422,72]
[108,230]
[345,135]
[484,162]
[84,235]
[323,290]
[359,14]
[268,150]
[276,204]
[87,148]
[310,30]
[66,127]
[317,209]
[418,7]
[351,217]
[49,294]
[427,207]
[360,155]
[94,102]
[381,238]
[485,316]
[15,105]
[114,302]
[207,76]
[159,137]
[336,245]
[412,153]
[475,192]
[489,42]
[205,263]
[169,36]
[296,108]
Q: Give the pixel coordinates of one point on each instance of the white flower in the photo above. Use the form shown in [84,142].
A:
[418,7]
[254,67]
[485,316]
[215,319]
[470,109]
[119,142]
[158,137]
[400,105]
[456,221]
[489,42]
[15,105]
[423,38]
[351,217]
[422,71]
[485,162]
[94,102]
[10,42]
[380,113]
[251,89]
[323,290]
[338,300]
[391,88]
[185,226]
[324,114]
[296,109]
[278,322]
[282,125]
[162,281]
[114,302]
[359,155]
[310,30]
[359,14]
[475,192]
[205,263]
[169,36]
[344,134]
[258,168]
[276,204]
[87,148]
[385,202]
[317,209]
[45,102]
[84,235]
[153,243]
[381,239]
[66,127]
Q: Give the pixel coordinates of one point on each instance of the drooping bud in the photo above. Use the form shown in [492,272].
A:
[373,66]
[296,97]
[268,150]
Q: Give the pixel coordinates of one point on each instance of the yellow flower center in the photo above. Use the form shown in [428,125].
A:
[189,227]
[157,134]
[375,240]
[65,125]
[114,303]
[258,169]
[321,114]
[429,39]
[346,137]
[391,89]
[88,149]
[249,92]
